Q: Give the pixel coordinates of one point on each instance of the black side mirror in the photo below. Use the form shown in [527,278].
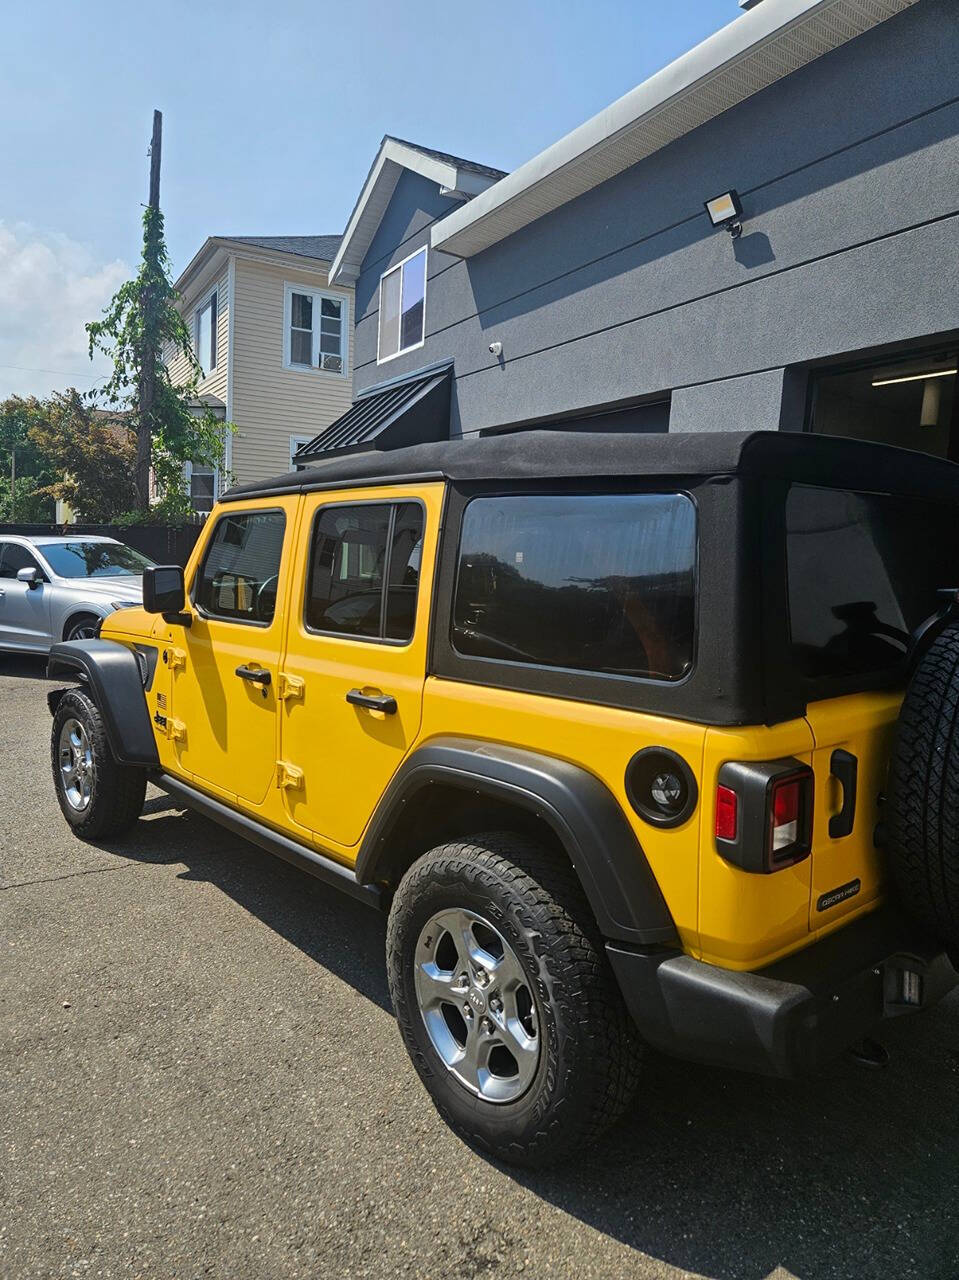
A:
[163,589]
[31,576]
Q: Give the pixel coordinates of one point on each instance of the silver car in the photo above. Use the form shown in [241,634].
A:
[59,588]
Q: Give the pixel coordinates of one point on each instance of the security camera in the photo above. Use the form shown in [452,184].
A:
[496,348]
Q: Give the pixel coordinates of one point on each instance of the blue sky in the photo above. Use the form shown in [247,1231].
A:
[271,117]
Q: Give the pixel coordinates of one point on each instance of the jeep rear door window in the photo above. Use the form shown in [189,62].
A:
[599,582]
[863,570]
[241,568]
[364,570]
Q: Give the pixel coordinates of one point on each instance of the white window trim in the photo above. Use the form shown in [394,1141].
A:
[297,442]
[187,479]
[316,294]
[209,298]
[397,266]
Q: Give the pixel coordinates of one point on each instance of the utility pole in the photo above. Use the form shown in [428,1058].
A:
[148,356]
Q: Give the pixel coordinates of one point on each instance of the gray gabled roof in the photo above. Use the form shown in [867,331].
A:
[456,178]
[322,247]
[471,166]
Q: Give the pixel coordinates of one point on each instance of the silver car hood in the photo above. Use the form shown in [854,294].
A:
[123,587]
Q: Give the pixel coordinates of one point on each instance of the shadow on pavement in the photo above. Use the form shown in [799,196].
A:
[850,1174]
[343,935]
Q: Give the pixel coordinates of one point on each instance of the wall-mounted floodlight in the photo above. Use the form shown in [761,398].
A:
[726,211]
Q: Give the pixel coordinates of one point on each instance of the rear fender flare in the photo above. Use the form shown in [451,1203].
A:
[114,677]
[581,810]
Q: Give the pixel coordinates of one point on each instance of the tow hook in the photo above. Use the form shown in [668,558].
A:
[870,1054]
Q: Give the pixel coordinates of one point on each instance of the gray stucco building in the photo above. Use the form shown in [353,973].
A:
[589,286]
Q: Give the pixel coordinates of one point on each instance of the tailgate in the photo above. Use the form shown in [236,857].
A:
[853,741]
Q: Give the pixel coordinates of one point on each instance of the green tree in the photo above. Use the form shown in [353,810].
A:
[90,452]
[143,333]
[24,471]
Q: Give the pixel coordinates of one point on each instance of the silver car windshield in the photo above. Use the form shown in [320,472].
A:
[94,559]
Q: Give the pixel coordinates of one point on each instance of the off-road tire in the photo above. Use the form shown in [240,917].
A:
[922,808]
[118,790]
[590,1052]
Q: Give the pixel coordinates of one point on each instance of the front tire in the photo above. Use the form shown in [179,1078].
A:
[83,627]
[98,796]
[505,999]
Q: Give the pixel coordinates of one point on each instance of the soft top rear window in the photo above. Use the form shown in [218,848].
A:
[591,582]
[863,571]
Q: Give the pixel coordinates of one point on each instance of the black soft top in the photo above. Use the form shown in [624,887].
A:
[574,455]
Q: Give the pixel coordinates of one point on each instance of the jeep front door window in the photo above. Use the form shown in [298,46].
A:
[226,718]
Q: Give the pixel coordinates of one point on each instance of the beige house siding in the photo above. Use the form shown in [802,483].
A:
[216,383]
[270,402]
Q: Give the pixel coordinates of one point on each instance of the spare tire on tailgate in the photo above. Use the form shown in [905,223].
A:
[922,809]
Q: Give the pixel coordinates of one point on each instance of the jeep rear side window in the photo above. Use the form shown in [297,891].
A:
[356,551]
[602,583]
[863,571]
[238,580]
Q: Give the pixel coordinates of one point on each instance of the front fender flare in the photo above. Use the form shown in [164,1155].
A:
[115,680]
[584,814]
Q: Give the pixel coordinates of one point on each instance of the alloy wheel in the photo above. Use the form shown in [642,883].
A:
[83,631]
[76,765]
[477,1005]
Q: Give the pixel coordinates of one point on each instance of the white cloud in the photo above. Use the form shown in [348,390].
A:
[50,286]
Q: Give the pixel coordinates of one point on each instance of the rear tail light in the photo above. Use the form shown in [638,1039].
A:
[764,813]
[727,813]
[786,802]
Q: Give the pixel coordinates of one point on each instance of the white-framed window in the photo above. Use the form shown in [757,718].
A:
[316,330]
[203,481]
[297,442]
[402,307]
[204,335]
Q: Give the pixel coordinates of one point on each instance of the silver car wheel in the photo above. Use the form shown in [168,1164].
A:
[477,1005]
[83,631]
[77,770]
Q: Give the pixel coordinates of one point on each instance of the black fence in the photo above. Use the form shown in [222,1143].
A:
[166,544]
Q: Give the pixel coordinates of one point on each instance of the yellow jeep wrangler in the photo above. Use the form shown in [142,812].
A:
[641,740]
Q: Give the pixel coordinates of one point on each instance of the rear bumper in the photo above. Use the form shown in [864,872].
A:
[793,1016]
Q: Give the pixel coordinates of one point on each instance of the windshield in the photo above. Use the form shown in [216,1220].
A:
[94,559]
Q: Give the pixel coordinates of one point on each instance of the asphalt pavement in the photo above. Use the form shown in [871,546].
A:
[201,1077]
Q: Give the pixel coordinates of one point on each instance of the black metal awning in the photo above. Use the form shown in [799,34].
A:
[416,411]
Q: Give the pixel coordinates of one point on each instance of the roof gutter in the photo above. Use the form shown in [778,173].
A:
[765,44]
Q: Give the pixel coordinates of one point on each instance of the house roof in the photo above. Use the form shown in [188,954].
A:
[471,166]
[528,456]
[765,44]
[317,248]
[457,178]
[322,247]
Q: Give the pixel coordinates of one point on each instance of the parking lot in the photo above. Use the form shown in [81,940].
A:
[202,1078]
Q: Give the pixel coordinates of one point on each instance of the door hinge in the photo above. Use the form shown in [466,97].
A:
[289,686]
[288,776]
[177,658]
[175,730]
